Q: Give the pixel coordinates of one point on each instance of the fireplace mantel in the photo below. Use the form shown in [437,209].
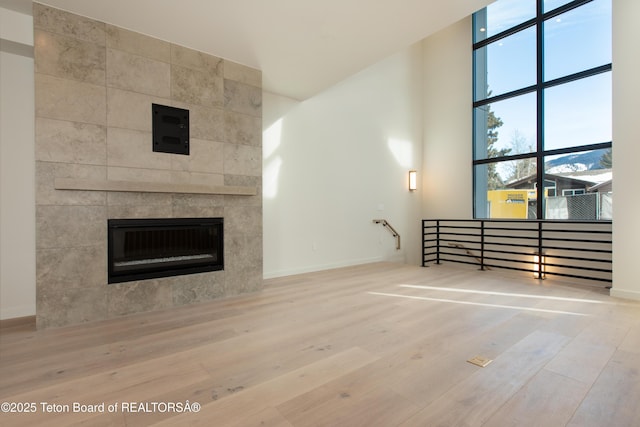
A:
[150,187]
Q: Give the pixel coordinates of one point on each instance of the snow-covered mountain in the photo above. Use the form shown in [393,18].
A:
[576,162]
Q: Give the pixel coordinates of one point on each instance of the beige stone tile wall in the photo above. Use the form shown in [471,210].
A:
[95,84]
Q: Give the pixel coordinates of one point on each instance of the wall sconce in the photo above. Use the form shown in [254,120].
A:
[538,266]
[413,180]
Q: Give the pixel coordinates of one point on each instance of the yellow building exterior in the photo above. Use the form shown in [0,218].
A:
[509,203]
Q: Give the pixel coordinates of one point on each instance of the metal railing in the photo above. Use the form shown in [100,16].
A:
[573,249]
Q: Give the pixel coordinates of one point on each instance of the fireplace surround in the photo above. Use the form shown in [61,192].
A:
[141,249]
[94,86]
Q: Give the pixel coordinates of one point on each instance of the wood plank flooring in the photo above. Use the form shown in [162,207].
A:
[381,344]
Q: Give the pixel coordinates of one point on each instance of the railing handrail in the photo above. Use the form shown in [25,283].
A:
[389,227]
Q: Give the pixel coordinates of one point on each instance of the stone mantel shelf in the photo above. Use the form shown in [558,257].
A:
[151,187]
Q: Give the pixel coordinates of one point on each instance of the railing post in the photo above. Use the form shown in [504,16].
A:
[540,253]
[481,245]
[438,241]
[423,243]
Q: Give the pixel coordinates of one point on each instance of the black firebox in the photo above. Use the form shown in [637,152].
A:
[151,248]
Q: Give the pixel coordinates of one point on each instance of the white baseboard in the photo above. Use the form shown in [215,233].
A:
[20,311]
[312,268]
[625,293]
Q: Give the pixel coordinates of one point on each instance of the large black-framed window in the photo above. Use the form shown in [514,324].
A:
[542,110]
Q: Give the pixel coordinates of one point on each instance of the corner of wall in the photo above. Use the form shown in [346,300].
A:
[447,121]
[17,170]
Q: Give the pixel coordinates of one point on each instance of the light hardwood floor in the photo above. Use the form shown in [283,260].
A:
[374,345]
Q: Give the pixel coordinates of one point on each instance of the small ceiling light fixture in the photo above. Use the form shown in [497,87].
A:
[413,180]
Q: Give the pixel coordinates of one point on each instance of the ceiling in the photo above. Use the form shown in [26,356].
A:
[301,46]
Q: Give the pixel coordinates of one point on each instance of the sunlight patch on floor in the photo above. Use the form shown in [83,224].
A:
[506,294]
[511,307]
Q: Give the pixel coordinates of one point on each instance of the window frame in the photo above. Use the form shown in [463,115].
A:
[538,88]
[567,192]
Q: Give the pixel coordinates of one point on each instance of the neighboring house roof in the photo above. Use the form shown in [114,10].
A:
[590,178]
[606,186]
[595,176]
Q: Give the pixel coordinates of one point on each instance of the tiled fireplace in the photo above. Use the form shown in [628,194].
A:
[95,85]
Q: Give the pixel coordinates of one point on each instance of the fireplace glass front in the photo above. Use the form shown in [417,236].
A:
[151,248]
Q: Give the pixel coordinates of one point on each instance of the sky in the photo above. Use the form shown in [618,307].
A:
[576,113]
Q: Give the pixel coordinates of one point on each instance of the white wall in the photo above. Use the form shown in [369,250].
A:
[447,178]
[626,148]
[335,162]
[17,182]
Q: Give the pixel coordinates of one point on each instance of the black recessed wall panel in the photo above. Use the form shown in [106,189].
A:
[170,129]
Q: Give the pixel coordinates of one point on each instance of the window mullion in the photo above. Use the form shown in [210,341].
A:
[540,109]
